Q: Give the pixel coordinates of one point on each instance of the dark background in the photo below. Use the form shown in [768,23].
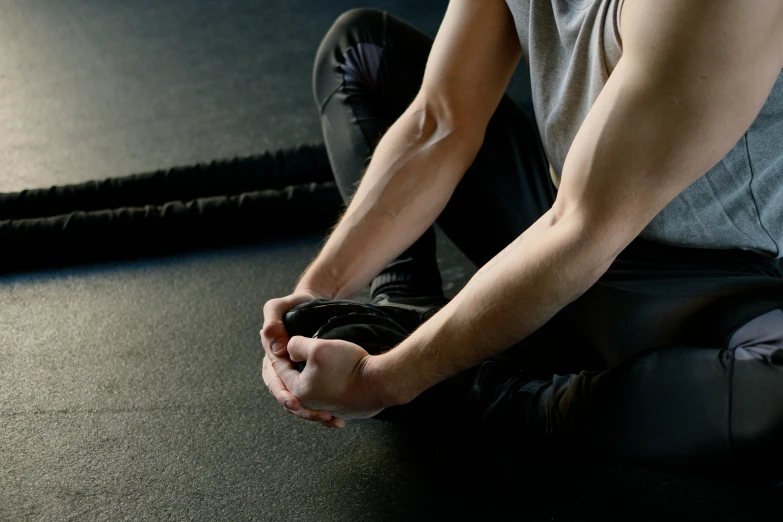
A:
[132,390]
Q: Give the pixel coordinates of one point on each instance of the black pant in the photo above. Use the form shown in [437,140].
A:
[661,317]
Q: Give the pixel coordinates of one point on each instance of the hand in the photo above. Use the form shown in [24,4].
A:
[273,335]
[274,338]
[338,377]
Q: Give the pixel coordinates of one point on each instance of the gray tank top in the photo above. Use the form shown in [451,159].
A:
[571,47]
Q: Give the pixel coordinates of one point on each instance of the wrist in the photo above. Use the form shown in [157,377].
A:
[383,382]
[318,284]
[304,289]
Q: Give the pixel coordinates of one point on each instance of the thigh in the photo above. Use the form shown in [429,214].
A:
[696,409]
[655,295]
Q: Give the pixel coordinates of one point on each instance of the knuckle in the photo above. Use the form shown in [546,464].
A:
[302,414]
[312,416]
[271,308]
[267,329]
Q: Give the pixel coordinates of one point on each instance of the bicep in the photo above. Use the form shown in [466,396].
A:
[471,63]
[693,77]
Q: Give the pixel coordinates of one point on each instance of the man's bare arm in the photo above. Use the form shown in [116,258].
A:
[419,161]
[413,172]
[693,77]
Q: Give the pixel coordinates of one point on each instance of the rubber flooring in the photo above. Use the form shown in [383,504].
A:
[132,390]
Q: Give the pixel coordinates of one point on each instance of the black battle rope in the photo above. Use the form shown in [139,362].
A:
[247,200]
[272,170]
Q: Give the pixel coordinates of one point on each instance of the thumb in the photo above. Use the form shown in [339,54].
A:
[279,338]
[274,336]
[273,333]
[300,348]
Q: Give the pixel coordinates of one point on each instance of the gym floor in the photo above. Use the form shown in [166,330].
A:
[132,390]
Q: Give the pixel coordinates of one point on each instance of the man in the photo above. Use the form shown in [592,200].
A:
[642,210]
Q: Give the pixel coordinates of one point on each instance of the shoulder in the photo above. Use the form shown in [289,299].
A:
[710,28]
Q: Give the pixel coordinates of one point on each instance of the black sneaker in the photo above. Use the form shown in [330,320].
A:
[376,326]
[493,394]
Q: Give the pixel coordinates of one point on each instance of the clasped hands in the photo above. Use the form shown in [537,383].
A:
[335,384]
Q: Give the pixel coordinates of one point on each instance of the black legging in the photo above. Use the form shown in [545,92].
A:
[661,317]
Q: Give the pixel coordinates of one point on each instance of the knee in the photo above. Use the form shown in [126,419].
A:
[356,19]
[354,26]
[757,415]
[757,455]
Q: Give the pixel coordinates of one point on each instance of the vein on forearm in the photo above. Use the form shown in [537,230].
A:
[514,294]
[409,180]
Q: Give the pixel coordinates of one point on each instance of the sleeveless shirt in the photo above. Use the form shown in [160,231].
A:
[571,47]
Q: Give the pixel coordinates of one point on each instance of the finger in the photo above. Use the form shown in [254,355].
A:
[277,388]
[312,415]
[285,370]
[280,393]
[274,338]
[338,423]
[265,371]
[288,374]
[273,334]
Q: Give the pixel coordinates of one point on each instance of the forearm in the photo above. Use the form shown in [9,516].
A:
[409,180]
[518,291]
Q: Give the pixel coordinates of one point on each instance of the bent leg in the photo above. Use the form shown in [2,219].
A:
[694,339]
[708,411]
[368,69]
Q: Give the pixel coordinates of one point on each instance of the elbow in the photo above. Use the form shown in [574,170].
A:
[432,121]
[427,123]
[595,241]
